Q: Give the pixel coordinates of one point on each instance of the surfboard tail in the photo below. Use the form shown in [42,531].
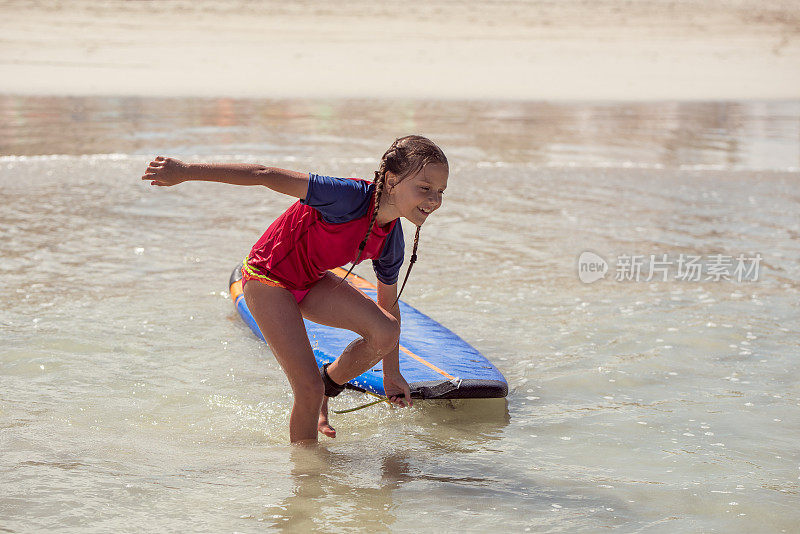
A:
[466,389]
[463,389]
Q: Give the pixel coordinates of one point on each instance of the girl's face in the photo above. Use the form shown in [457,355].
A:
[417,196]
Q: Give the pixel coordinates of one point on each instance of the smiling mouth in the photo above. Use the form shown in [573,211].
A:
[425,212]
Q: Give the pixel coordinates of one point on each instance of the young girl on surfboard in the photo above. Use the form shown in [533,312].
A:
[335,222]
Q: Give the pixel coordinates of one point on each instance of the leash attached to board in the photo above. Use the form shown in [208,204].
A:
[380,399]
[426,392]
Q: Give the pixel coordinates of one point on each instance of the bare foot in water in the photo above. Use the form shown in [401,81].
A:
[323,425]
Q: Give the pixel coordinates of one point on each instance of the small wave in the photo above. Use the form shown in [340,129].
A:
[67,157]
[631,165]
[361,160]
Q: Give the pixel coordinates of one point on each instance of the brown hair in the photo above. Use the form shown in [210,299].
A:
[407,156]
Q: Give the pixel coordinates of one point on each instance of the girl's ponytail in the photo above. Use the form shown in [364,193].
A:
[380,180]
[410,265]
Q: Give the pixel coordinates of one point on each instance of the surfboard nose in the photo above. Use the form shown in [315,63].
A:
[236,275]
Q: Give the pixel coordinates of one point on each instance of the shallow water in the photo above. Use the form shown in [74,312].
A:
[133,398]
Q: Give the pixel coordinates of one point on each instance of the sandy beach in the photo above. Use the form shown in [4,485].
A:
[572,50]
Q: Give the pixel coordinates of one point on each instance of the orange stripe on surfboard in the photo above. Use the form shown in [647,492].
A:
[423,361]
[236,290]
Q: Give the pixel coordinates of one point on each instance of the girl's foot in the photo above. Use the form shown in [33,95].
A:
[323,425]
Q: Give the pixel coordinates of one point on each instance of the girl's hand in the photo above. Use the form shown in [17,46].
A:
[396,388]
[166,171]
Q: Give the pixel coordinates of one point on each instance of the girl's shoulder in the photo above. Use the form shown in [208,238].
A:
[332,184]
[338,199]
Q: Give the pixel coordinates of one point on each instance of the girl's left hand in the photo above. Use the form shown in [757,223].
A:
[396,389]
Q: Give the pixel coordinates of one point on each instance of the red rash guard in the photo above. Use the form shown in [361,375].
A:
[323,231]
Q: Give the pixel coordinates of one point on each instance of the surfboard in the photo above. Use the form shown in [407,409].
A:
[436,363]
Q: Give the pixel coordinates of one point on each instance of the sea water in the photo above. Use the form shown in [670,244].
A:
[133,398]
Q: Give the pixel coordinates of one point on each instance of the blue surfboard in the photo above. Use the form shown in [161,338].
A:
[436,363]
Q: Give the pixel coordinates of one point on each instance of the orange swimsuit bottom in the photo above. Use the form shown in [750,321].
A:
[252,273]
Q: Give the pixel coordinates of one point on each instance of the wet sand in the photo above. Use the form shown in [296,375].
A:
[687,50]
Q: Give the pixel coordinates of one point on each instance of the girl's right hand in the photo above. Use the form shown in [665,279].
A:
[166,172]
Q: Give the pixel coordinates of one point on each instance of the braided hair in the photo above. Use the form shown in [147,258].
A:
[407,156]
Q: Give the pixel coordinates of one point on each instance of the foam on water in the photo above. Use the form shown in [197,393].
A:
[360,161]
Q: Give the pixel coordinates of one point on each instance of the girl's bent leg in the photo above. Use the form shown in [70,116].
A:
[278,316]
[344,306]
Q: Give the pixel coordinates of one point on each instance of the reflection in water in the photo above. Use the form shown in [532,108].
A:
[749,135]
[362,484]
[327,493]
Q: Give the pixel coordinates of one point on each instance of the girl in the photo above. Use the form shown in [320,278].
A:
[286,275]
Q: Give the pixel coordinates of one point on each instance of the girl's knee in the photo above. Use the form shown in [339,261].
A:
[309,391]
[384,337]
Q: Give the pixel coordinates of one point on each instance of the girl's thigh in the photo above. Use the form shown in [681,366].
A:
[343,306]
[278,316]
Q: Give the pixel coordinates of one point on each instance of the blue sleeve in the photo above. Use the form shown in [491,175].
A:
[339,200]
[387,267]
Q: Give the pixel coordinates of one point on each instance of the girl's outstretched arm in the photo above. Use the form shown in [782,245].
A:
[166,172]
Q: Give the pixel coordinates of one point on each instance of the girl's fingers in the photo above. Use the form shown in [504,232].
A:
[399,400]
[154,169]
